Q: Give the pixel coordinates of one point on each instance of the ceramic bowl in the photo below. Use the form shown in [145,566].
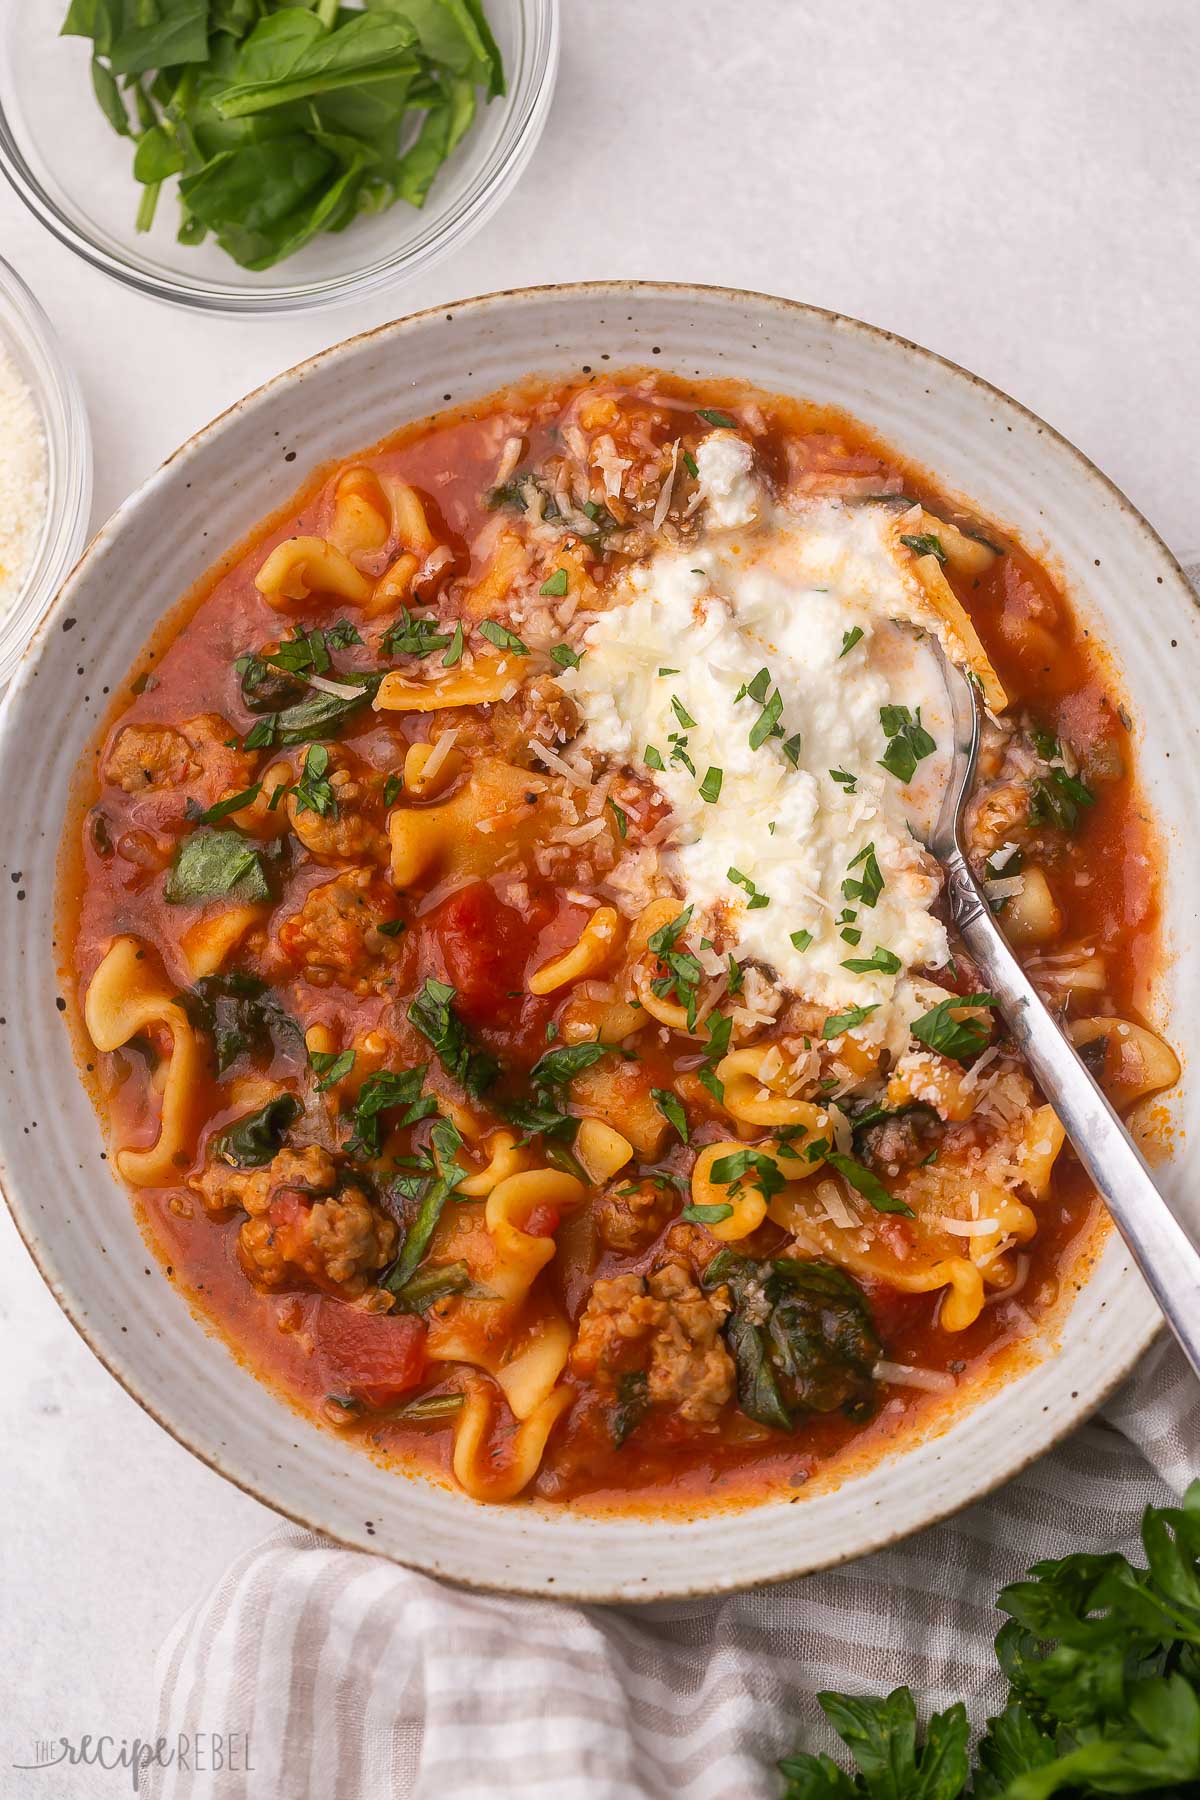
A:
[78,1223]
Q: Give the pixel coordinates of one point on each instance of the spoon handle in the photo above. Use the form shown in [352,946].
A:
[1164,1253]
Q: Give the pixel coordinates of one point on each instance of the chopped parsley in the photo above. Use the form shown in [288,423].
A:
[712,416]
[555,586]
[710,787]
[849,782]
[692,467]
[653,758]
[393,787]
[565,657]
[682,714]
[909,742]
[621,817]
[801,940]
[849,639]
[707,1215]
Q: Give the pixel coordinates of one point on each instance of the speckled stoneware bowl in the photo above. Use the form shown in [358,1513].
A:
[78,1223]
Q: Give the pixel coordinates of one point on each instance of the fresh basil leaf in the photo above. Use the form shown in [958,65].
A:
[447,1142]
[386,1091]
[554,1067]
[235,803]
[633,1403]
[939,1030]
[924,543]
[432,1012]
[866,1184]
[836,1023]
[707,1215]
[671,1108]
[330,1066]
[322,715]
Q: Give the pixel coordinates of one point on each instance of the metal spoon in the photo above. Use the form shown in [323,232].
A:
[1161,1248]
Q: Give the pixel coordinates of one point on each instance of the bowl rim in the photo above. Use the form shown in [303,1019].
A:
[527,107]
[577,1590]
[56,392]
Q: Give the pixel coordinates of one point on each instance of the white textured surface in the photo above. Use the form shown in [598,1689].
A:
[1017,208]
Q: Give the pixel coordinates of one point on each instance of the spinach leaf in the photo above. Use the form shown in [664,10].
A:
[287,118]
[242,1017]
[209,863]
[254,1139]
[134,38]
[800,1334]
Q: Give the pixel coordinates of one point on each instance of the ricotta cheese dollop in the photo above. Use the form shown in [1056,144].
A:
[758,676]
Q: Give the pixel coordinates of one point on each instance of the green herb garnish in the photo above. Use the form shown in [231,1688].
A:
[924,544]
[836,1023]
[502,637]
[940,1031]
[909,742]
[280,121]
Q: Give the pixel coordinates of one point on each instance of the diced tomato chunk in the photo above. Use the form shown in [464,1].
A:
[542,1221]
[372,1357]
[485,945]
[894,1312]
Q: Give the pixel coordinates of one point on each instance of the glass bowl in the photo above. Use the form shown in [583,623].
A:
[74,173]
[28,339]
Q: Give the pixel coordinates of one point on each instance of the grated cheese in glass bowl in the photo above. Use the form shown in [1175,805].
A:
[45,468]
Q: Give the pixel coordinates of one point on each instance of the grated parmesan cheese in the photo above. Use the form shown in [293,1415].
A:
[23,495]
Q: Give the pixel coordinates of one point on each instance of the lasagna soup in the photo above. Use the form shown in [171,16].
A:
[522,1003]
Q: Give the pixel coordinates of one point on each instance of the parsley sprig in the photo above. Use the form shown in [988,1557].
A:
[1100,1658]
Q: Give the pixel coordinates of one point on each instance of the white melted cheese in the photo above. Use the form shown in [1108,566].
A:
[695,626]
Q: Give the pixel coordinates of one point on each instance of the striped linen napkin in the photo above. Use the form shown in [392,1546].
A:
[358,1680]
